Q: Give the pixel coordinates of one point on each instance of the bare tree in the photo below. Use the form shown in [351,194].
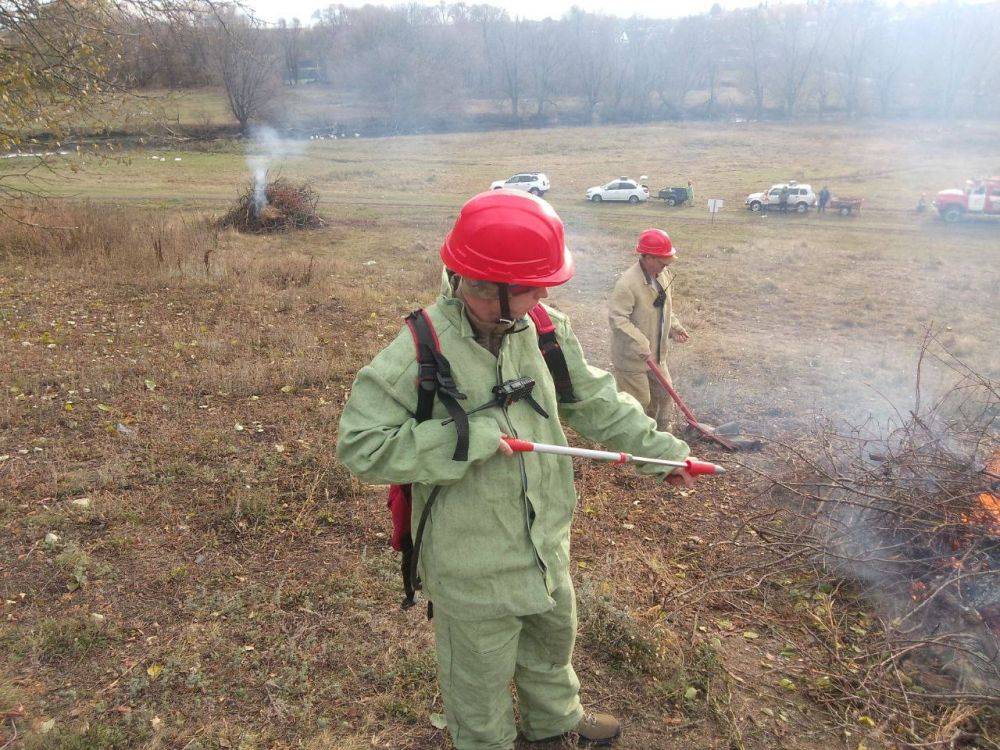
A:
[327,41]
[290,39]
[619,72]
[801,32]
[506,51]
[755,60]
[413,65]
[639,79]
[681,63]
[856,35]
[545,64]
[887,64]
[959,41]
[248,67]
[590,39]
[403,66]
[987,82]
[718,53]
[982,58]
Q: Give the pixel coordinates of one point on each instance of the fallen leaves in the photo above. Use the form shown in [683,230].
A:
[17,712]
[438,721]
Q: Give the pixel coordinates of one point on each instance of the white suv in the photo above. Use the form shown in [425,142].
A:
[800,198]
[622,189]
[536,183]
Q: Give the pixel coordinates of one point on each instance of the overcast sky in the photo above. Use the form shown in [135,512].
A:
[272,10]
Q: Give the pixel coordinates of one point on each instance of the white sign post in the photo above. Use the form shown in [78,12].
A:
[714,206]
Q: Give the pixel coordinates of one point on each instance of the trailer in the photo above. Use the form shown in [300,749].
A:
[673,196]
[845,206]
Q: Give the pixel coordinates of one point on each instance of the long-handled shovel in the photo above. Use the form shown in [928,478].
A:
[693,465]
[692,420]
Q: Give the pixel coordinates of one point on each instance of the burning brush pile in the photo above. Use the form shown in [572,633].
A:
[913,518]
[275,206]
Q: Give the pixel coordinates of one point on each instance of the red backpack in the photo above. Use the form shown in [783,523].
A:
[434,379]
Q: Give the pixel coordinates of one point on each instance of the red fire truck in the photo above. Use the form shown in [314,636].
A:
[980,198]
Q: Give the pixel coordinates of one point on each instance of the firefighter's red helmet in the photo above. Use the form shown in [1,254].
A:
[655,242]
[508,237]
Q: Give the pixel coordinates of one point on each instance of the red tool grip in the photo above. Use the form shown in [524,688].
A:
[671,391]
[519,446]
[695,467]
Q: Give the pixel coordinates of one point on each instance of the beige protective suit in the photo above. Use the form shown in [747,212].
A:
[640,328]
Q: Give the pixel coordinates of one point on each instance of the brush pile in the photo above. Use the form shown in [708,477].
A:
[912,518]
[277,206]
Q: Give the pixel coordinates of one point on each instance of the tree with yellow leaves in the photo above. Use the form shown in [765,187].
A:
[55,58]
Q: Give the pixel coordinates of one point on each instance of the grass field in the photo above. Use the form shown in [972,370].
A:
[836,305]
[216,580]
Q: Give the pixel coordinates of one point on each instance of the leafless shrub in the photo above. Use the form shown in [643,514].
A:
[892,538]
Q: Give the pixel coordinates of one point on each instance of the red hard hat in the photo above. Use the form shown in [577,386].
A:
[655,242]
[508,237]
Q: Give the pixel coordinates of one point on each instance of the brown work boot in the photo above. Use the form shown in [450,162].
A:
[593,730]
[599,730]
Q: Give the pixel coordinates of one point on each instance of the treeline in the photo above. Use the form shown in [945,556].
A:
[420,66]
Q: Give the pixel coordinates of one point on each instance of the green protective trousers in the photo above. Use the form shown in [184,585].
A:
[477,659]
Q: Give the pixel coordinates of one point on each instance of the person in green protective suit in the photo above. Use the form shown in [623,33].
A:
[494,557]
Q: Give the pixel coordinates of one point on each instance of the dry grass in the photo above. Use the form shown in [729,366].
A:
[193,404]
[248,592]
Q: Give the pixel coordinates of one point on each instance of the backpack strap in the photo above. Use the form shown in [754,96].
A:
[411,576]
[434,378]
[553,354]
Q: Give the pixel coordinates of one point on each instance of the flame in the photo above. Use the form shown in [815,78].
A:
[988,510]
[918,591]
[993,465]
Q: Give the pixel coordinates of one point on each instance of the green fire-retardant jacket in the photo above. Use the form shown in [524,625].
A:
[497,541]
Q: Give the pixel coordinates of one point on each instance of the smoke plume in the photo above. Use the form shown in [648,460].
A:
[266,148]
